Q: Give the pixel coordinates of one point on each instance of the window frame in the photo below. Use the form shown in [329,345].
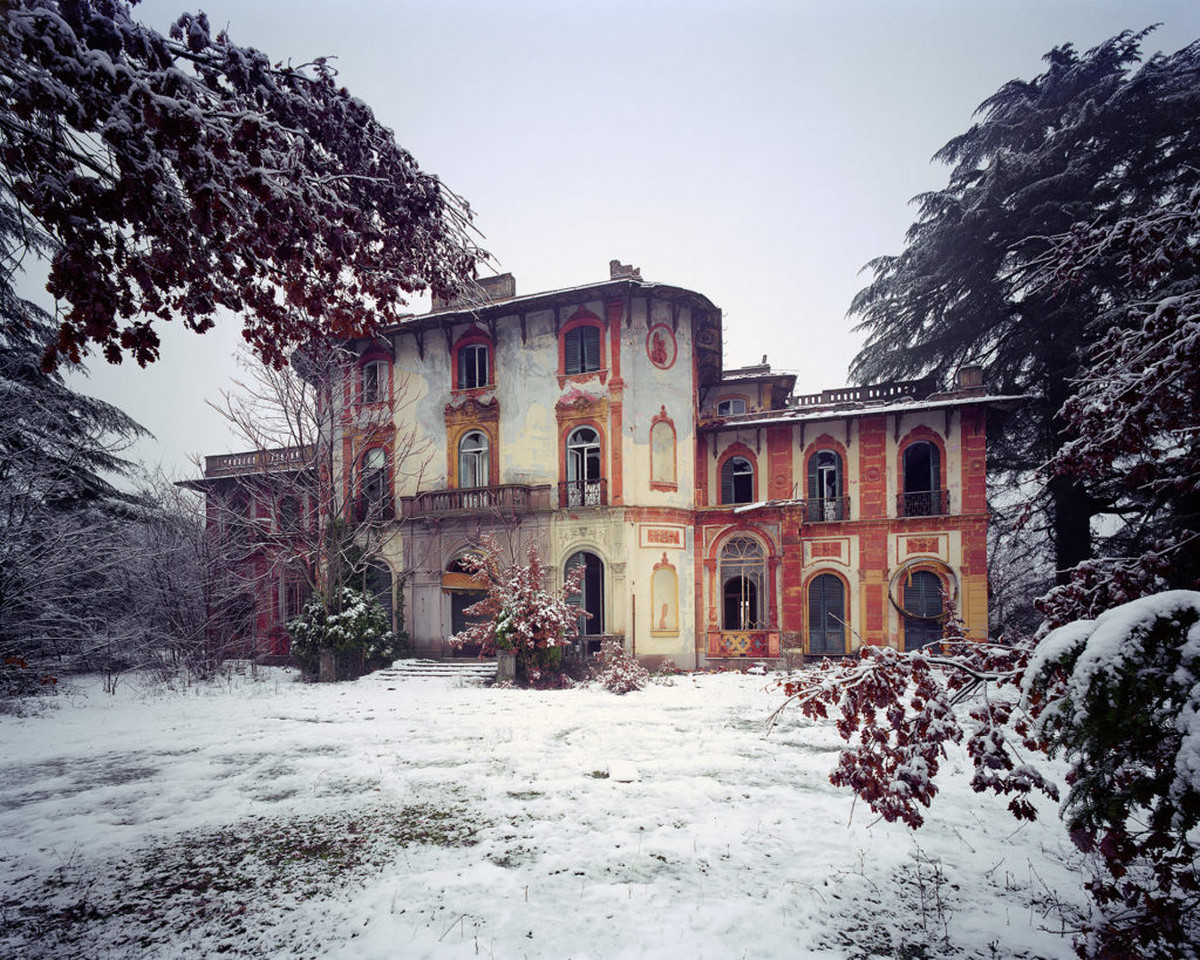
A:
[381,388]
[470,355]
[481,455]
[729,475]
[743,560]
[731,400]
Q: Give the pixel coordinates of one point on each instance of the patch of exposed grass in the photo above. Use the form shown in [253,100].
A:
[213,886]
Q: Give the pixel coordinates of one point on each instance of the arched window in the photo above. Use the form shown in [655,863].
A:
[581,349]
[590,599]
[374,381]
[743,579]
[924,610]
[737,481]
[826,615]
[584,485]
[374,490]
[473,366]
[473,459]
[825,499]
[923,496]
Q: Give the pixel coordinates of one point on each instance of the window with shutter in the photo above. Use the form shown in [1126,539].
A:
[581,350]
[826,616]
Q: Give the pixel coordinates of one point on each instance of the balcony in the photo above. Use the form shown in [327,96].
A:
[923,503]
[507,498]
[827,509]
[583,493]
[258,462]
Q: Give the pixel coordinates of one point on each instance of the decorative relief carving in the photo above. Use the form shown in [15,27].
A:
[661,347]
[663,537]
[923,545]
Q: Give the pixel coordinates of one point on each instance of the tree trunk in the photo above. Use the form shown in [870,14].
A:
[1071,525]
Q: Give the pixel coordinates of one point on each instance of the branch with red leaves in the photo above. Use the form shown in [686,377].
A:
[179,177]
[898,711]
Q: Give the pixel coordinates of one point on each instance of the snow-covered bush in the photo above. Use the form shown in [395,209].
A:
[1119,697]
[355,629]
[518,613]
[619,672]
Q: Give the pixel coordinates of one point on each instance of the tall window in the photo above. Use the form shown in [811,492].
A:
[731,407]
[590,600]
[743,577]
[473,366]
[923,610]
[737,481]
[826,615]
[290,513]
[377,583]
[923,496]
[373,484]
[374,381]
[583,467]
[473,460]
[825,500]
[581,350]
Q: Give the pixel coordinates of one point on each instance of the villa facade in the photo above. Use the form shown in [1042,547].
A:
[719,515]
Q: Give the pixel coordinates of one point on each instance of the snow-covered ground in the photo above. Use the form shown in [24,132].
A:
[397,818]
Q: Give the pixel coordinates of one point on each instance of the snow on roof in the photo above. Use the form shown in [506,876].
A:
[765,418]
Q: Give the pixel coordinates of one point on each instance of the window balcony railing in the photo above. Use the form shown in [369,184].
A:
[505,498]
[923,503]
[826,509]
[583,493]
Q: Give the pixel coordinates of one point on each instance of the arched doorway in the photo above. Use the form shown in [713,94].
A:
[826,616]
[590,599]
[464,592]
[924,610]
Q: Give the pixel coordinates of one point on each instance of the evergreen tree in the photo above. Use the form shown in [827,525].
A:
[1097,138]
[60,593]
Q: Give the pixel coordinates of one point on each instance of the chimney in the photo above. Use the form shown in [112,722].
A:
[619,271]
[970,378]
[481,291]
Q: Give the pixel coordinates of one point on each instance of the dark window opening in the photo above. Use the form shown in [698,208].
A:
[737,481]
[473,366]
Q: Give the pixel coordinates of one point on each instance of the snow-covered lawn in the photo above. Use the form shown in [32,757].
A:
[427,818]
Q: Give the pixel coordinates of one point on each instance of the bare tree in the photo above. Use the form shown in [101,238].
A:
[312,504]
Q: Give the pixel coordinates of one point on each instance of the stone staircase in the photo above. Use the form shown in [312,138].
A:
[464,671]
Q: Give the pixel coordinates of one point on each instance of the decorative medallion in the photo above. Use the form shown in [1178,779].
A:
[661,347]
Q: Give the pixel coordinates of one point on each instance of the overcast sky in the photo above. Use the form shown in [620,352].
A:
[758,151]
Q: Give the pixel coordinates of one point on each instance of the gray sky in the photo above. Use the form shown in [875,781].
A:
[759,151]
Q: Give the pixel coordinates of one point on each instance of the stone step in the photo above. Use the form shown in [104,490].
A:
[438,669]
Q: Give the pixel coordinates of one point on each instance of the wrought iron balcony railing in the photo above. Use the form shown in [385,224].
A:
[825,509]
[923,503]
[583,493]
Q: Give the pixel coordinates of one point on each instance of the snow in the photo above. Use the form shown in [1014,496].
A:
[491,822]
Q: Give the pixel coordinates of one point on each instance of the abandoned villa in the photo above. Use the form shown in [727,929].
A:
[719,515]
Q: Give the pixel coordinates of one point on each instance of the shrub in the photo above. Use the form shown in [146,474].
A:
[618,672]
[355,629]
